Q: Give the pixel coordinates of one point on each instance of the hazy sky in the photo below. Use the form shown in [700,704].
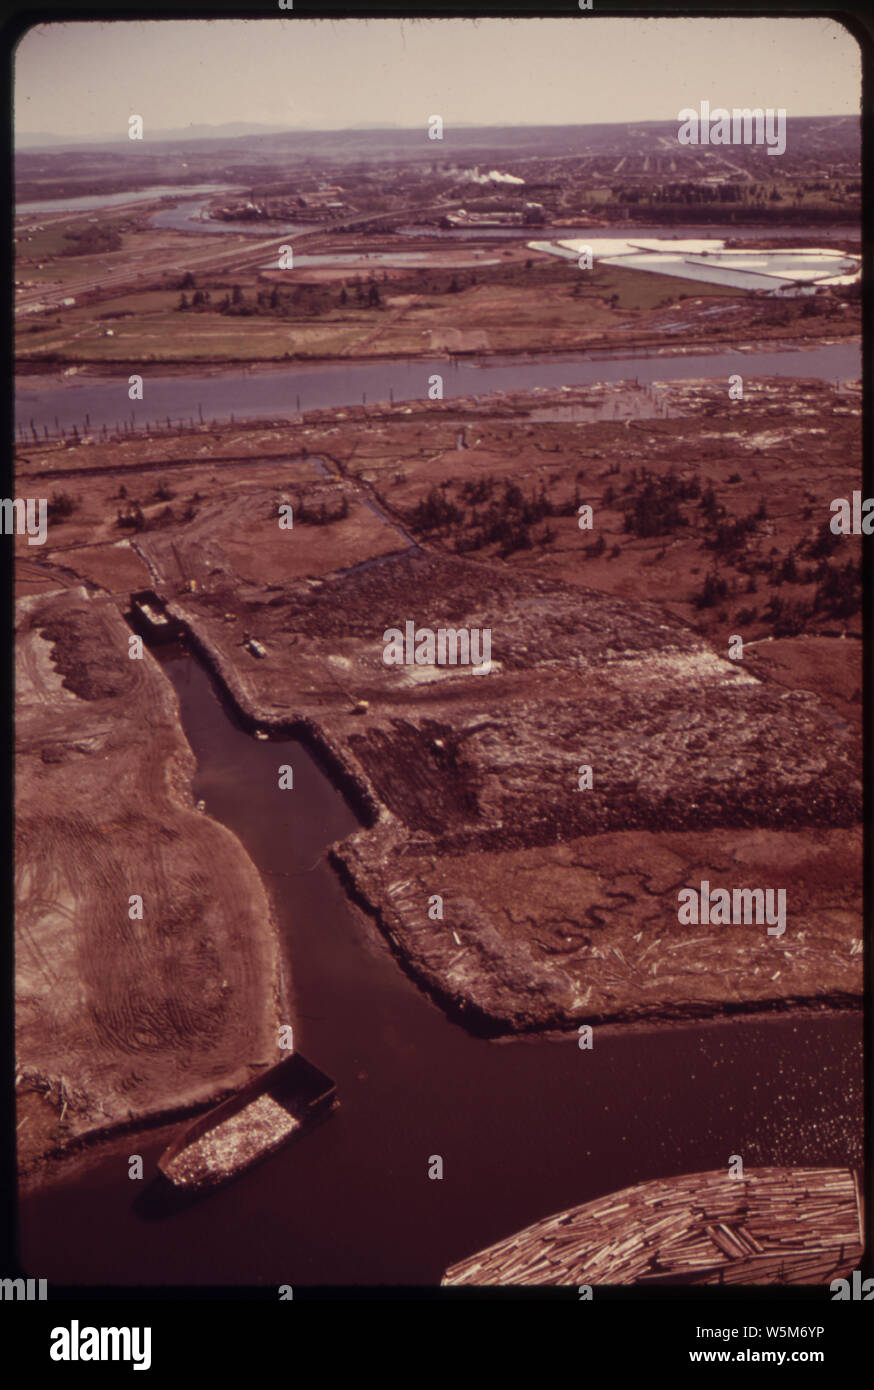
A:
[87,78]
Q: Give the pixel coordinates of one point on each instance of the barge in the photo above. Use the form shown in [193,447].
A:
[273,1108]
[149,616]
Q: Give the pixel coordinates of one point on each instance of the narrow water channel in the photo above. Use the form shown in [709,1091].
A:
[524,1128]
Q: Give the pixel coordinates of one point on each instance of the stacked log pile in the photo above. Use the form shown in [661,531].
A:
[770,1226]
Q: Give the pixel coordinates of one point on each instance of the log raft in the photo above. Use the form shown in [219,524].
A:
[771,1226]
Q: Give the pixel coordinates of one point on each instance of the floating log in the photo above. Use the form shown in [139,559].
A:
[772,1226]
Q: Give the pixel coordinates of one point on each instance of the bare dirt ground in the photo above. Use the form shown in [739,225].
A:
[559,904]
[683,484]
[120,1020]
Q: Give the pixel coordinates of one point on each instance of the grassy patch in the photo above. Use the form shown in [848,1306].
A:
[540,304]
[642,289]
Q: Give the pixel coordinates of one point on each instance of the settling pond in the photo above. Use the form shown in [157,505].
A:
[709,261]
[524,1128]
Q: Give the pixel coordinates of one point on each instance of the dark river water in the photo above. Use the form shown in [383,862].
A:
[524,1128]
[276,393]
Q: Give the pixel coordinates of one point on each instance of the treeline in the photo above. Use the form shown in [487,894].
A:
[92,241]
[689,193]
[302,299]
[321,514]
[838,587]
[481,516]
[664,504]
[837,596]
[782,212]
[312,298]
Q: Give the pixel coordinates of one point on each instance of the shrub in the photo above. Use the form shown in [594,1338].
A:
[840,590]
[712,590]
[60,505]
[824,543]
[132,517]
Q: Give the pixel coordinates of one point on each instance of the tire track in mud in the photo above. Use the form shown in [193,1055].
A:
[189,993]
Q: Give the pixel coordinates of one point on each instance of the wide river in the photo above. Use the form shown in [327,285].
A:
[524,1128]
[280,392]
[95,201]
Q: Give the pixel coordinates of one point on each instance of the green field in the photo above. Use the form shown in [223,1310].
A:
[52,241]
[639,289]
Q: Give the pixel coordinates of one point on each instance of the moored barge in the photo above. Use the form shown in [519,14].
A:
[260,1118]
[148,614]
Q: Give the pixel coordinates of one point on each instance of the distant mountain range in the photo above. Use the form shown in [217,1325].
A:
[247,142]
[230,130]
